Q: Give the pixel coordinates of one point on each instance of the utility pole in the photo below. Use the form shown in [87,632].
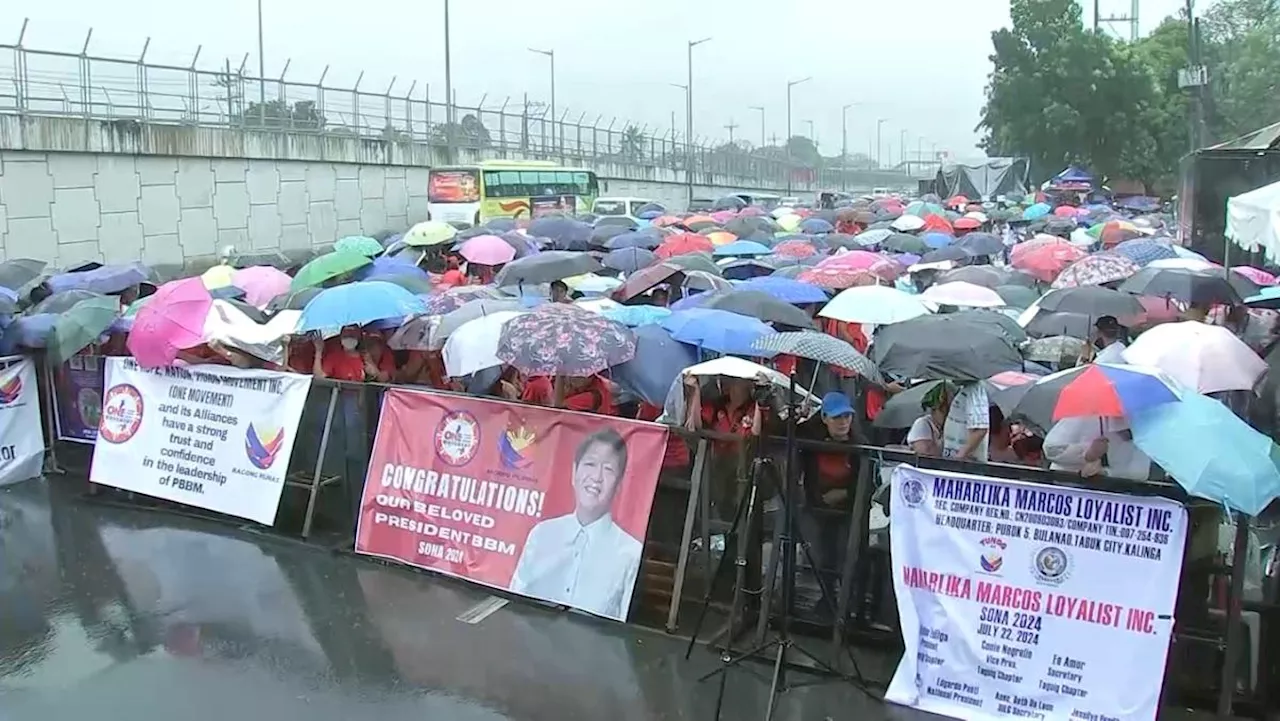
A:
[1194,78]
[551,55]
[688,141]
[761,109]
[879,125]
[844,146]
[448,69]
[791,84]
[902,149]
[262,66]
[732,126]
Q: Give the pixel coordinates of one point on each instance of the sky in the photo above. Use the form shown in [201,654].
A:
[920,65]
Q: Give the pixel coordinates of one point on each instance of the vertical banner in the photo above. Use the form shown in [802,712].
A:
[1029,601]
[212,437]
[547,503]
[21,429]
[77,393]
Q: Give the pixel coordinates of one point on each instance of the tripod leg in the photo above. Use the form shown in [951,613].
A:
[735,532]
[775,687]
[857,540]
[724,681]
[766,592]
[695,487]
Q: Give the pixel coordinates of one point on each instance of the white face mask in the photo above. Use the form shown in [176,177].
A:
[350,343]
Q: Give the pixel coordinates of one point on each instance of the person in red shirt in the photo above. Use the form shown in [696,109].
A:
[454,276]
[347,358]
[676,457]
[736,413]
[578,394]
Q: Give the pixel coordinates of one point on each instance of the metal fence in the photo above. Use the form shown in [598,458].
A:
[80,85]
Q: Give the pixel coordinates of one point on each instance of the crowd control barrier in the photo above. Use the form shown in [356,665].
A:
[333,440]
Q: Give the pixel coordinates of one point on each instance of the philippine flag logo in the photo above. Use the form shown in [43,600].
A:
[263,447]
[515,446]
[10,390]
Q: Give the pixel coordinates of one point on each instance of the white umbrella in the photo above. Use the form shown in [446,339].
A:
[1206,358]
[734,367]
[907,223]
[783,210]
[876,304]
[962,294]
[474,345]
[1194,264]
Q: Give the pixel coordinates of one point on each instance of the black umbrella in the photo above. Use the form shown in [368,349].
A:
[1188,286]
[545,267]
[1045,324]
[944,347]
[886,223]
[760,305]
[1091,300]
[951,252]
[560,229]
[701,225]
[841,240]
[1017,296]
[1243,285]
[18,272]
[629,260]
[501,225]
[642,280]
[981,244]
[729,202]
[694,261]
[470,233]
[904,243]
[293,301]
[632,239]
[249,311]
[601,234]
[1014,332]
[986,276]
[747,268]
[743,227]
[1060,227]
[621,221]
[791,271]
[902,409]
[1017,277]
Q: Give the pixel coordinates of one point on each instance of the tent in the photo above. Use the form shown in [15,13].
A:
[985,179]
[1071,177]
[1253,220]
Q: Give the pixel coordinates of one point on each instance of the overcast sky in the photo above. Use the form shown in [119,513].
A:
[919,64]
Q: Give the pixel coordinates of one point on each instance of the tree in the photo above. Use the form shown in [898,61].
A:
[277,114]
[1241,47]
[468,132]
[802,151]
[631,146]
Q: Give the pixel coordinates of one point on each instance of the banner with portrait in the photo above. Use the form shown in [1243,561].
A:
[77,396]
[547,503]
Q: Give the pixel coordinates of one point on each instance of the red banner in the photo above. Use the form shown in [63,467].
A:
[548,503]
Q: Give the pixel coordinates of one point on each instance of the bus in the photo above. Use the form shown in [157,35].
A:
[475,194]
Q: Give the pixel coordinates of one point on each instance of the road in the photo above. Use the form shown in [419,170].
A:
[108,613]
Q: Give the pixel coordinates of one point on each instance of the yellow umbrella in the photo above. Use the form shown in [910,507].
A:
[429,232]
[789,222]
[721,237]
[219,276]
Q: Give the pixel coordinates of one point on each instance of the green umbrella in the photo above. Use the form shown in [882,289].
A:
[327,266]
[81,326]
[922,209]
[359,245]
[429,232]
[135,306]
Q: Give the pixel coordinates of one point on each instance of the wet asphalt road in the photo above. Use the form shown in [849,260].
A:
[118,614]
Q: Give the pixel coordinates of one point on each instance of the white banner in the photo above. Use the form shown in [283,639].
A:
[213,437]
[21,428]
[1029,601]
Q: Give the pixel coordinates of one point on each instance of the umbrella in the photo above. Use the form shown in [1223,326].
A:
[487,250]
[719,237]
[718,331]
[729,202]
[1036,212]
[1205,358]
[1097,389]
[962,294]
[870,237]
[981,244]
[391,266]
[1097,269]
[1268,299]
[786,290]
[745,227]
[937,240]
[941,346]
[822,348]
[1210,452]
[1045,260]
[219,276]
[1257,275]
[358,244]
[545,267]
[816,226]
[81,325]
[450,322]
[741,248]
[413,284]
[18,272]
[747,268]
[454,298]
[1194,287]
[358,304]
[1053,348]
[953,252]
[172,321]
[988,317]
[565,230]
[1043,324]
[658,362]
[938,223]
[592,284]
[907,223]
[106,279]
[694,261]
[261,283]
[628,260]
[427,233]
[327,267]
[602,234]
[642,280]
[618,221]
[874,304]
[634,240]
[904,243]
[64,301]
[837,278]
[634,316]
[984,275]
[795,249]
[473,346]
[760,305]
[701,280]
[292,300]
[1091,300]
[683,244]
[922,208]
[558,339]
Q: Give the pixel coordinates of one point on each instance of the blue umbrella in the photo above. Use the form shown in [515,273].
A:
[741,247]
[1210,452]
[634,239]
[358,304]
[628,260]
[719,331]
[107,279]
[659,360]
[523,244]
[32,331]
[747,268]
[937,240]
[1037,211]
[384,266]
[816,226]
[635,316]
[787,290]
[1145,250]
[692,300]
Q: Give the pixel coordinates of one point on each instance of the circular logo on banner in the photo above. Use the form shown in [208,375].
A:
[457,438]
[913,492]
[121,414]
[1052,565]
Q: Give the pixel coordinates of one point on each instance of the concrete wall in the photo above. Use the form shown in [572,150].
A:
[74,190]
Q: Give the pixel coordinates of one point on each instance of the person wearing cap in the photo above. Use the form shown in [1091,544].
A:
[1108,339]
[829,478]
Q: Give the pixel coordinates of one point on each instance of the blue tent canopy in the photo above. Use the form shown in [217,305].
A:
[1072,175]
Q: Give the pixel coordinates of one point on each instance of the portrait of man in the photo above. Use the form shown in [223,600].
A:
[583,559]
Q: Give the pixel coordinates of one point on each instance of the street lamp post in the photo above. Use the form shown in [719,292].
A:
[448,68]
[551,54]
[761,109]
[844,145]
[688,140]
[902,149]
[262,66]
[791,84]
[879,124]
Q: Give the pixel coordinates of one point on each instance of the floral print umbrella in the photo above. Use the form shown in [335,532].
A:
[558,339]
[1096,269]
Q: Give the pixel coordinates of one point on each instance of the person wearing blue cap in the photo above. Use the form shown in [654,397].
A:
[829,477]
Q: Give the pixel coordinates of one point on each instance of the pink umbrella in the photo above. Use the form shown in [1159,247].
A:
[487,250]
[853,260]
[723,216]
[172,321]
[261,283]
[795,249]
[1047,260]
[837,278]
[751,211]
[1257,275]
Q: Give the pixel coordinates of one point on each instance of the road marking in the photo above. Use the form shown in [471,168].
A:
[482,610]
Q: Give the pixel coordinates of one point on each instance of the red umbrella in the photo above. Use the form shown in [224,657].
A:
[956,201]
[967,224]
[1065,211]
[794,249]
[683,244]
[1047,260]
[1034,244]
[939,223]
[853,260]
[837,278]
